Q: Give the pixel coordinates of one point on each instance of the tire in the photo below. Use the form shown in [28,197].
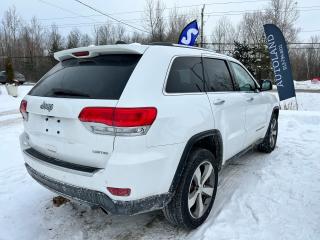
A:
[178,212]
[270,140]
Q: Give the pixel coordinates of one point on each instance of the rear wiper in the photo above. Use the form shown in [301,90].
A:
[71,93]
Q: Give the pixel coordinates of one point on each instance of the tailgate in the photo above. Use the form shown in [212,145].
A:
[55,130]
[55,102]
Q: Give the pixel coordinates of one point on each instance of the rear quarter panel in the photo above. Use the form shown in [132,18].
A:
[180,116]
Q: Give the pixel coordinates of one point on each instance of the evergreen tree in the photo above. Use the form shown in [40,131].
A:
[246,55]
[263,67]
[254,58]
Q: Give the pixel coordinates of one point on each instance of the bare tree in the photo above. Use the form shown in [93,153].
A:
[284,14]
[31,39]
[10,26]
[31,47]
[73,38]
[222,34]
[120,31]
[176,22]
[85,40]
[155,20]
[138,37]
[104,34]
[27,43]
[251,27]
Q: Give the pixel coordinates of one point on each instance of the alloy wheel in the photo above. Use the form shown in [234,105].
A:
[273,132]
[201,189]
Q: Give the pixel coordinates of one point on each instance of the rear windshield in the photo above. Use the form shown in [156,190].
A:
[102,77]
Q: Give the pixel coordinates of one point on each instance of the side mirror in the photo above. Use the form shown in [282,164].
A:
[266,85]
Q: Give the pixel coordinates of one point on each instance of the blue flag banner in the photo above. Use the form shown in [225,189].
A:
[280,61]
[189,34]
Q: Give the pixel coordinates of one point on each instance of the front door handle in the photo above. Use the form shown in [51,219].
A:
[218,102]
[250,99]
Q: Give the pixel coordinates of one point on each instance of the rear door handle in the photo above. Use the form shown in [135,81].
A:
[218,101]
[250,99]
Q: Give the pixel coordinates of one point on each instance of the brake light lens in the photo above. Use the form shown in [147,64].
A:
[134,117]
[118,121]
[81,54]
[97,115]
[123,192]
[23,109]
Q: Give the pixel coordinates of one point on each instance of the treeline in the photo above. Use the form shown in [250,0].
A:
[29,46]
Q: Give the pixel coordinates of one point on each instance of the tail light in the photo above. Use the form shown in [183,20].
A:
[118,121]
[23,109]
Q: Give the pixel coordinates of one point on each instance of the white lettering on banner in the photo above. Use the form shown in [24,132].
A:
[275,60]
[282,58]
[187,40]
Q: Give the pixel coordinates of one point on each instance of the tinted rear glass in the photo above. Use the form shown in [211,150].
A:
[217,75]
[102,77]
[185,76]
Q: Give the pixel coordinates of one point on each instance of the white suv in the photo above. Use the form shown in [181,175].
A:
[135,128]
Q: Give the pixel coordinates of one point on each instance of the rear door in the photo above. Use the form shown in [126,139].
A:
[228,107]
[256,104]
[55,103]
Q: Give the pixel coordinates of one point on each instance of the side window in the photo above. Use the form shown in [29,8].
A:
[217,75]
[244,80]
[185,76]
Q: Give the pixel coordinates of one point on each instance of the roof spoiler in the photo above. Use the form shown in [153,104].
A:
[93,51]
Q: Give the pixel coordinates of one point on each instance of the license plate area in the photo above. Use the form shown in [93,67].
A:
[53,126]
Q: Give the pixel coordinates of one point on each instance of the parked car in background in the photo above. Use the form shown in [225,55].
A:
[18,77]
[3,77]
[316,80]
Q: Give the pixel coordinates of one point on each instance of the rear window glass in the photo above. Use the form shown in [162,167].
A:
[102,77]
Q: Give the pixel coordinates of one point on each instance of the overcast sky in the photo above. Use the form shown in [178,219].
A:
[69,12]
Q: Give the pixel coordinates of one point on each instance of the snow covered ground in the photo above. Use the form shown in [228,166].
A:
[308,84]
[8,103]
[305,85]
[260,196]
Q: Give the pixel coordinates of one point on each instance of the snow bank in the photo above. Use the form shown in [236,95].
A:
[308,84]
[272,196]
[7,102]
[304,85]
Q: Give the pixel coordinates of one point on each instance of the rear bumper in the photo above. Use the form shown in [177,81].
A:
[147,173]
[100,199]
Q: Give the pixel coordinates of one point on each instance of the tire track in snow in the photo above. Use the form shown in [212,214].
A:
[4,113]
[7,122]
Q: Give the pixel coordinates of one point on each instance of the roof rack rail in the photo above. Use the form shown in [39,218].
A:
[161,43]
[178,45]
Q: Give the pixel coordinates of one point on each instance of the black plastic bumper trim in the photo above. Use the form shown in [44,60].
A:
[101,199]
[39,156]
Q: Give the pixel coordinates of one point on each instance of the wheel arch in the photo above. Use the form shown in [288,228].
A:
[211,140]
